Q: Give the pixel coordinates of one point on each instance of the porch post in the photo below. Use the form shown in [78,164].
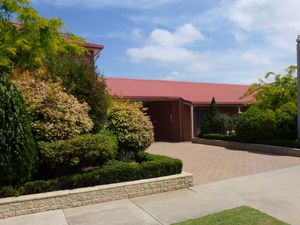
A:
[192,121]
[298,85]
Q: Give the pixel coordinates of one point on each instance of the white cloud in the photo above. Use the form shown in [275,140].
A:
[278,20]
[141,4]
[256,59]
[136,33]
[170,49]
[240,37]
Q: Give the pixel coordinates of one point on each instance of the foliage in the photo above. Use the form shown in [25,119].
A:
[80,79]
[237,216]
[81,151]
[280,90]
[131,126]
[216,122]
[256,124]
[278,93]
[218,136]
[54,113]
[18,150]
[112,172]
[286,118]
[34,39]
[208,123]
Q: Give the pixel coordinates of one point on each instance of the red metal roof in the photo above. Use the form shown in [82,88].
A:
[195,92]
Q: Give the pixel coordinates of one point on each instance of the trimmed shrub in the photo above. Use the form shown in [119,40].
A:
[217,136]
[17,146]
[54,113]
[131,126]
[113,172]
[81,151]
[256,124]
[286,118]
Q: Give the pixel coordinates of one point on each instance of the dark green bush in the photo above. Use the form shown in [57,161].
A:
[80,151]
[256,124]
[286,119]
[80,79]
[38,186]
[218,136]
[112,172]
[8,191]
[18,150]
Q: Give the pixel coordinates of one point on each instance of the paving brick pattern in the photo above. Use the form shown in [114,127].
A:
[212,163]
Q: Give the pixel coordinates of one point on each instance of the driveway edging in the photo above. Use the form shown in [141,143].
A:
[278,150]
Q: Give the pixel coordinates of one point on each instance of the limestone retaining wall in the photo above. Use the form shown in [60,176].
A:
[15,206]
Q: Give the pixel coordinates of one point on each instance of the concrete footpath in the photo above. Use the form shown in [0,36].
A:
[276,193]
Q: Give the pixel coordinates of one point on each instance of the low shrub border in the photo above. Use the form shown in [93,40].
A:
[281,143]
[252,147]
[113,172]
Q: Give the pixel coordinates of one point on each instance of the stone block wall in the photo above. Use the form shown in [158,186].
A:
[35,203]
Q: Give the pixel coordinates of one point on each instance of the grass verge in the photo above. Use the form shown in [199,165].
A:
[238,216]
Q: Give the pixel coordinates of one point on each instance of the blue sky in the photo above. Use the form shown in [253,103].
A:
[208,41]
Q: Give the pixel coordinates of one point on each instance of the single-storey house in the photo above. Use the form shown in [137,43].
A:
[177,109]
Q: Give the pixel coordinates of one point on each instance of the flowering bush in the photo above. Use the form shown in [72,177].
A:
[131,126]
[54,113]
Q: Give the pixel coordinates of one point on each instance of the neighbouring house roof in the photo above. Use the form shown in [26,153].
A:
[95,48]
[194,92]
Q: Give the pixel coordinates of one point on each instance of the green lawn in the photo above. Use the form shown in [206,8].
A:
[238,216]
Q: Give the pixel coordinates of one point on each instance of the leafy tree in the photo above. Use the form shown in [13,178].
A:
[28,43]
[275,90]
[17,146]
[36,44]
[276,93]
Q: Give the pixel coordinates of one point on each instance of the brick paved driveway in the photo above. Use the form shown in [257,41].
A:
[211,163]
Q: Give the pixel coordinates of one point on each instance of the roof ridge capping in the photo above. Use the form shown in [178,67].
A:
[175,81]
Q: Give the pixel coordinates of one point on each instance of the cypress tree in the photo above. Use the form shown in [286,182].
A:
[17,146]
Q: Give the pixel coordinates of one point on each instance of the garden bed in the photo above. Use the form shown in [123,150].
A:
[150,166]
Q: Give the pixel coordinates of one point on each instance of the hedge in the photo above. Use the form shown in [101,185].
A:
[217,136]
[84,150]
[113,172]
